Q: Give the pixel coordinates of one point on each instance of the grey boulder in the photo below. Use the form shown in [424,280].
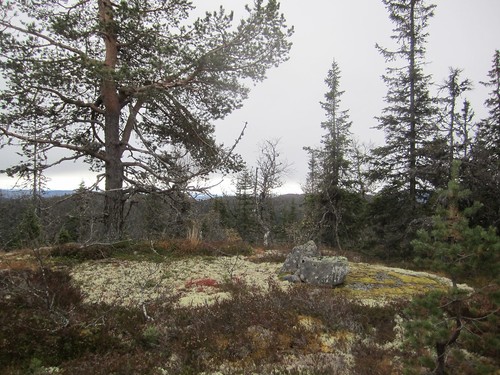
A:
[325,271]
[305,264]
[293,259]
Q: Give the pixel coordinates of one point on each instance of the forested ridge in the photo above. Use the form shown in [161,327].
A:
[133,89]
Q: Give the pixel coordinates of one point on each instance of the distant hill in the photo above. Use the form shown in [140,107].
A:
[19,193]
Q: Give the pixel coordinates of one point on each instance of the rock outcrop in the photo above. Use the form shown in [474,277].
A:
[305,264]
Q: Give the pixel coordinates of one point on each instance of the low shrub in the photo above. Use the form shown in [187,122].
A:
[135,362]
[152,251]
[378,321]
[80,252]
[272,256]
[372,360]
[42,317]
[43,323]
[186,248]
[252,329]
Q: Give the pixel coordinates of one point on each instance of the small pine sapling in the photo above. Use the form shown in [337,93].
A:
[440,318]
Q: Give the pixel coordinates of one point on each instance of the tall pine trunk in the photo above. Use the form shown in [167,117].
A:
[114,197]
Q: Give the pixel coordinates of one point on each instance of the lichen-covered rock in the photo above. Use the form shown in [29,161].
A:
[327,271]
[293,259]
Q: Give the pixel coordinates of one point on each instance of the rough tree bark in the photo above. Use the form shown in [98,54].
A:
[114,196]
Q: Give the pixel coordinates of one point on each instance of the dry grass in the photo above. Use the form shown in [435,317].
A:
[18,260]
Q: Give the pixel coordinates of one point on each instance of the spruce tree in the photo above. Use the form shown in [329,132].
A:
[465,130]
[337,140]
[220,205]
[335,159]
[407,120]
[313,174]
[454,129]
[29,231]
[490,126]
[336,172]
[312,208]
[484,176]
[245,205]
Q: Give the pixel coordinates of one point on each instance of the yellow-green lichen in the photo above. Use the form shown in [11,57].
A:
[377,285]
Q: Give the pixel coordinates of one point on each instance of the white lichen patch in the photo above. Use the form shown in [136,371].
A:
[196,281]
[308,363]
[122,282]
[340,341]
[202,298]
[310,323]
[130,283]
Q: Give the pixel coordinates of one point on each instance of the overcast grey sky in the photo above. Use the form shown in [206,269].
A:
[463,34]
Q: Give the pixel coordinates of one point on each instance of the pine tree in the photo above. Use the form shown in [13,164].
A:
[133,87]
[407,119]
[452,246]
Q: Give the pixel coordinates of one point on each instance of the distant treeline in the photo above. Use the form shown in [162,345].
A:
[66,216]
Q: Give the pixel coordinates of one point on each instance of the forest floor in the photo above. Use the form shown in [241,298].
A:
[207,314]
[196,281]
